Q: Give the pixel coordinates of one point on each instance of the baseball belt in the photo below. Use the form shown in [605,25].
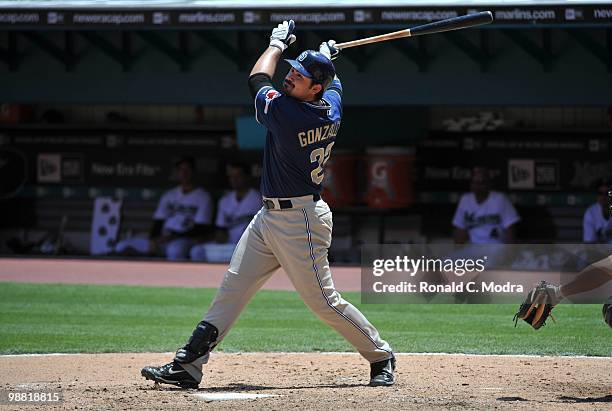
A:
[285,204]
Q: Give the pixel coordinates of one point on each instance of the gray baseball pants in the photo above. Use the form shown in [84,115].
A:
[296,239]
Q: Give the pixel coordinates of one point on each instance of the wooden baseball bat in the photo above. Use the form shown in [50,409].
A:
[455,23]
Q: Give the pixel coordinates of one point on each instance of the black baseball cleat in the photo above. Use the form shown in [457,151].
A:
[381,373]
[171,373]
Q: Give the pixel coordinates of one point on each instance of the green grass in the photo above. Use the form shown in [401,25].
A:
[38,318]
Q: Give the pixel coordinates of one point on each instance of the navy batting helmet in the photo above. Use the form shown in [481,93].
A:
[315,66]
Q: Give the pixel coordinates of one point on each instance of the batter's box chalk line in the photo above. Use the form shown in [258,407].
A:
[222,396]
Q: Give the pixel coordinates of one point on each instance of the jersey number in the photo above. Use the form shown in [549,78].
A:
[320,156]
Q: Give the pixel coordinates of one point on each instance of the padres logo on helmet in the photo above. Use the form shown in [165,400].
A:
[315,66]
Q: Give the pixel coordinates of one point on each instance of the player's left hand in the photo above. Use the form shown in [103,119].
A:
[328,49]
[538,305]
[282,35]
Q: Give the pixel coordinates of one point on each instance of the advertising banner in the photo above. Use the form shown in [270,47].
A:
[84,163]
[218,16]
[528,162]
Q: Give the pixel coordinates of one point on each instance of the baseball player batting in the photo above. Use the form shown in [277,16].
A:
[293,229]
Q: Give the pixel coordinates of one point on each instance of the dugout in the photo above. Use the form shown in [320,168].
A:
[90,95]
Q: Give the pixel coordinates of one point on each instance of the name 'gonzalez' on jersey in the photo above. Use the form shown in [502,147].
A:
[299,141]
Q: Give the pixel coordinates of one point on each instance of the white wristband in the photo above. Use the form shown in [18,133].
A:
[278,44]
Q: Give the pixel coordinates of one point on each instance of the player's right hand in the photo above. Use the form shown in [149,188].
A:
[329,50]
[282,35]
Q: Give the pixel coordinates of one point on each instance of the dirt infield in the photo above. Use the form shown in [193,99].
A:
[144,273]
[320,381]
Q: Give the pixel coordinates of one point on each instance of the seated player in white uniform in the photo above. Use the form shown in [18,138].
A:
[484,216]
[183,216]
[597,224]
[235,210]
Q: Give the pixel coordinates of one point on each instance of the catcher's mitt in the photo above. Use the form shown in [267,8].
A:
[607,312]
[538,305]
